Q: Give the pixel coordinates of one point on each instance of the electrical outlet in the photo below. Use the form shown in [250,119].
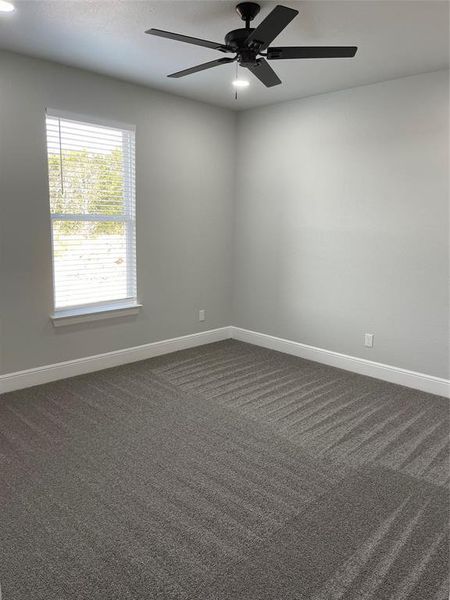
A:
[202,314]
[368,340]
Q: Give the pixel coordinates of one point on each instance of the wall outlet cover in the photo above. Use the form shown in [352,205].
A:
[368,340]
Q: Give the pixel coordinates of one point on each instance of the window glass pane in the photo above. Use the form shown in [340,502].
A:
[90,262]
[87,171]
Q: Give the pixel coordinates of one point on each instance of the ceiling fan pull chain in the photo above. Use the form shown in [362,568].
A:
[235,89]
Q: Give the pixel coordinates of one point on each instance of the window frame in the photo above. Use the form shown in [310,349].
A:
[128,305]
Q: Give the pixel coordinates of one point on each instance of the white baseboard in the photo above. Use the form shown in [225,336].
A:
[79,366]
[419,381]
[88,364]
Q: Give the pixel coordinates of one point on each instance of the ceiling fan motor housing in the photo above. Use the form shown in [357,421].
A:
[236,40]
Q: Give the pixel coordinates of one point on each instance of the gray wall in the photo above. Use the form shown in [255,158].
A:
[340,217]
[342,222]
[185,178]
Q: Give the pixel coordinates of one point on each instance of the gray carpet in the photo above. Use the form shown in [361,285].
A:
[224,472]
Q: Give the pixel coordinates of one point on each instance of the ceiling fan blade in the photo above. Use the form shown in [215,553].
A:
[272,26]
[264,72]
[311,52]
[178,37]
[202,67]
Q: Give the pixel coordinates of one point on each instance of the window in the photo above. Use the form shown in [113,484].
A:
[92,208]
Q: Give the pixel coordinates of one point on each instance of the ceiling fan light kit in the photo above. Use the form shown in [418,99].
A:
[251,46]
[241,83]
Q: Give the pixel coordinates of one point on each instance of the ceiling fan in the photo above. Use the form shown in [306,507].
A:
[251,46]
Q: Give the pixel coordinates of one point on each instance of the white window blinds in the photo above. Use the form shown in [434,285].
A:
[92,207]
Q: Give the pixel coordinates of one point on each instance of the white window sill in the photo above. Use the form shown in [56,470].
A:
[72,316]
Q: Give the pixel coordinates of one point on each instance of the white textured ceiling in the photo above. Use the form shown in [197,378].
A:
[395,38]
